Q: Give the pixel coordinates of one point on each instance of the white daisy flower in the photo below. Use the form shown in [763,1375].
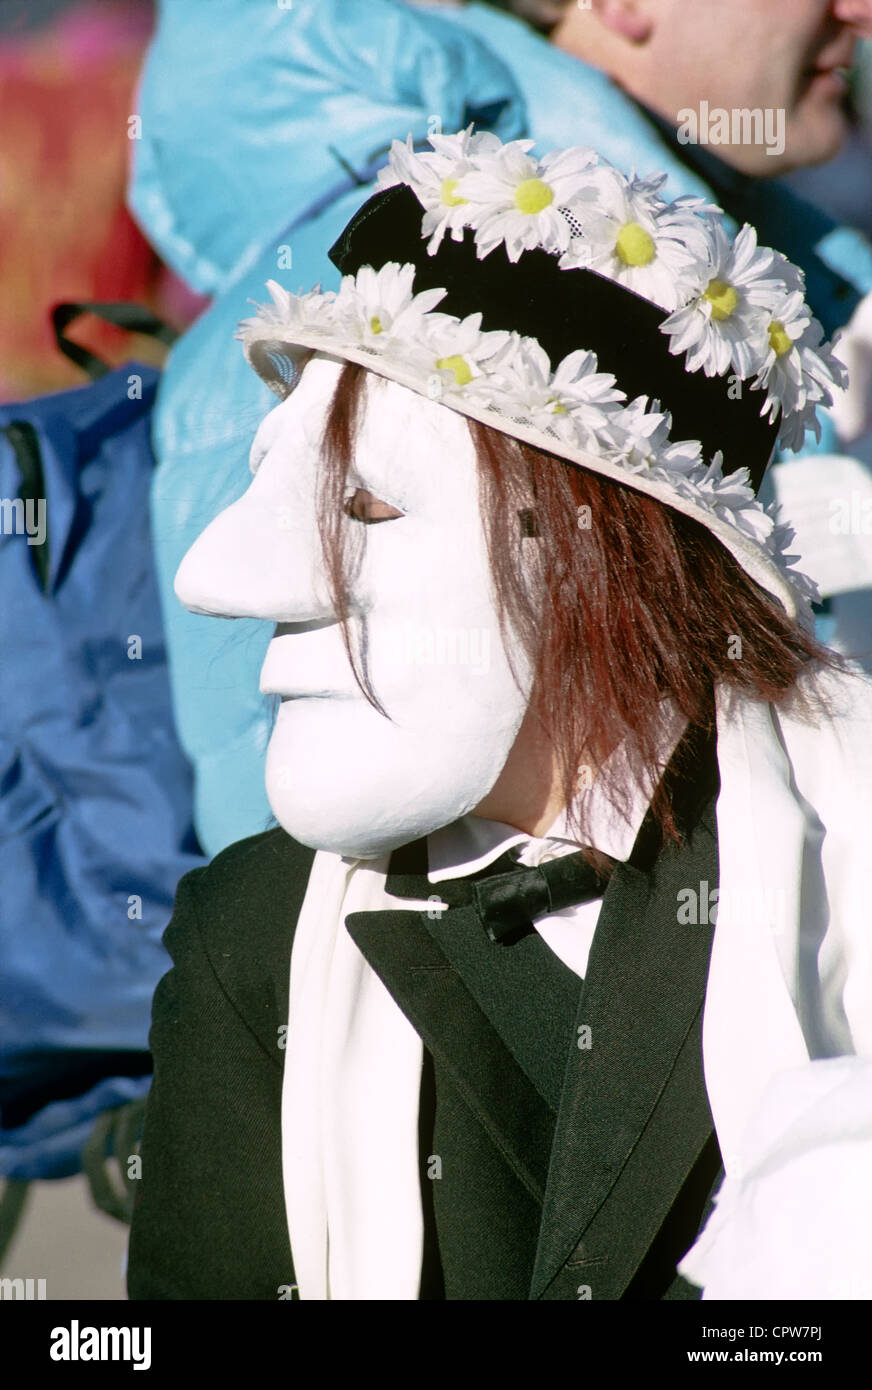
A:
[516,200]
[799,371]
[781,372]
[629,234]
[290,311]
[377,308]
[731,498]
[459,354]
[645,443]
[590,397]
[679,464]
[788,279]
[576,402]
[433,177]
[725,323]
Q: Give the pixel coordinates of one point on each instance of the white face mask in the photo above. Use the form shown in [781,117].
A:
[340,776]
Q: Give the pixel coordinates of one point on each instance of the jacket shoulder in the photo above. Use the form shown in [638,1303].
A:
[243,908]
[257,867]
[209,1220]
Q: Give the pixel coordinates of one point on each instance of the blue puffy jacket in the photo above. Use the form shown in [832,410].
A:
[262,129]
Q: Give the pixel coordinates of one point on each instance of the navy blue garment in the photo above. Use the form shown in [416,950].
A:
[95,792]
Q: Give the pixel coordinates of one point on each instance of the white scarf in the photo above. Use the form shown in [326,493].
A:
[349,1103]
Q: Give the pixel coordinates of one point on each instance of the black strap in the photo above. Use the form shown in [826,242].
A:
[13,1201]
[24,442]
[118,1131]
[134,317]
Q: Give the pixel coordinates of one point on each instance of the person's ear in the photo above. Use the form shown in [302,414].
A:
[625,17]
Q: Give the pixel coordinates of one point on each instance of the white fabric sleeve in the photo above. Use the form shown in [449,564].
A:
[795,1222]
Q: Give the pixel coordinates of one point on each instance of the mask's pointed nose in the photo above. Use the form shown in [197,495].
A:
[256,560]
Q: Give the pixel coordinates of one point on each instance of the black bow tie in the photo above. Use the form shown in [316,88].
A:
[507,897]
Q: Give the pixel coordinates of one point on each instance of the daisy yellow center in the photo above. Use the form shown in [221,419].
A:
[375,324]
[459,366]
[722,297]
[556,407]
[447,195]
[634,245]
[532,195]
[778,339]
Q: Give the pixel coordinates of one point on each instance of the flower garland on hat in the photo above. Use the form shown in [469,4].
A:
[732,307]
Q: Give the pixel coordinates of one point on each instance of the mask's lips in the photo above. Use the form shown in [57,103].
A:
[308,662]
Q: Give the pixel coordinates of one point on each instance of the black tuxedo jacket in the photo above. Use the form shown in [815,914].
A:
[565,1171]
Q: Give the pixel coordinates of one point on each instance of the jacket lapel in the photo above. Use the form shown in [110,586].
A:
[634,1115]
[456,1030]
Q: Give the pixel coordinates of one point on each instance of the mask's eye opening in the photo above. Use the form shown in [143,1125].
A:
[279,364]
[363,505]
[528,522]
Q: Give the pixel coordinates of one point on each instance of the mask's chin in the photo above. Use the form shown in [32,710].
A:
[342,778]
